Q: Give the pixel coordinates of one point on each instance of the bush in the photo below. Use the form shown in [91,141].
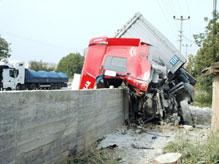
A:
[202,98]
[203,91]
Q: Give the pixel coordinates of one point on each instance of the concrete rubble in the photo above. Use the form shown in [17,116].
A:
[168,158]
[194,115]
[201,116]
[188,127]
[143,145]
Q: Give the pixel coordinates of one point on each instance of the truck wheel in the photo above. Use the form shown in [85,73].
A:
[8,89]
[32,86]
[18,87]
[186,113]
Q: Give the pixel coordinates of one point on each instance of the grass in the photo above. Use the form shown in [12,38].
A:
[94,156]
[197,152]
[202,98]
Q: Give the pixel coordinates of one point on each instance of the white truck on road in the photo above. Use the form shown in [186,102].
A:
[14,76]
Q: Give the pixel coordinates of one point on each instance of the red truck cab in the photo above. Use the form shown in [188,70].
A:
[117,60]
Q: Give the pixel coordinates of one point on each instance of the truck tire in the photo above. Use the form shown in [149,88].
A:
[18,87]
[8,89]
[186,113]
[32,86]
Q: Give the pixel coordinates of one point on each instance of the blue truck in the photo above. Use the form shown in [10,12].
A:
[44,79]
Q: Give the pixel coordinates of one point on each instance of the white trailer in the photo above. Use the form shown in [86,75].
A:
[162,50]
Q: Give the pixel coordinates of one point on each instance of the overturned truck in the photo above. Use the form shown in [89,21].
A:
[140,58]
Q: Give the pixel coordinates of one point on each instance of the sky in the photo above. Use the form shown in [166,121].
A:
[48,30]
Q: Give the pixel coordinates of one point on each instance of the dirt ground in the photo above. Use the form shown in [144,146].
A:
[142,144]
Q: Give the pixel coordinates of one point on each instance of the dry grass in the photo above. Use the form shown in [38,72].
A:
[94,156]
[197,152]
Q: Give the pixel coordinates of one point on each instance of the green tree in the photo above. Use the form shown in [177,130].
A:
[207,54]
[4,48]
[40,65]
[190,65]
[70,64]
[209,47]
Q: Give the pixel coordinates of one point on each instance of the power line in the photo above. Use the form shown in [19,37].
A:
[187,6]
[30,39]
[188,39]
[181,19]
[164,14]
[179,6]
[173,8]
[186,47]
[170,9]
[39,42]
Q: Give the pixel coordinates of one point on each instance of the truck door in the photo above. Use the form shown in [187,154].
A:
[9,76]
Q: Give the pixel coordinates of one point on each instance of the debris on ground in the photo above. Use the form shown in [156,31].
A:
[168,158]
[144,145]
[136,146]
[112,146]
[188,127]
[201,116]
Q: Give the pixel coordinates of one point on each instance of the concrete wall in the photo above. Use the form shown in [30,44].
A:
[39,126]
[215,105]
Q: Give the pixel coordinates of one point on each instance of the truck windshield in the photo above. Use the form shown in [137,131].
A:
[13,73]
[117,64]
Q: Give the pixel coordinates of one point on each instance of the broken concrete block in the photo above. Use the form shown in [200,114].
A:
[168,158]
[201,116]
[138,131]
[159,151]
[188,127]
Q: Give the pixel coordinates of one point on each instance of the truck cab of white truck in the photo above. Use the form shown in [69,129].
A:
[11,75]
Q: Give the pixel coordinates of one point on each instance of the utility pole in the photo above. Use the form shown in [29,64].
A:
[181,19]
[187,46]
[214,9]
[214,25]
